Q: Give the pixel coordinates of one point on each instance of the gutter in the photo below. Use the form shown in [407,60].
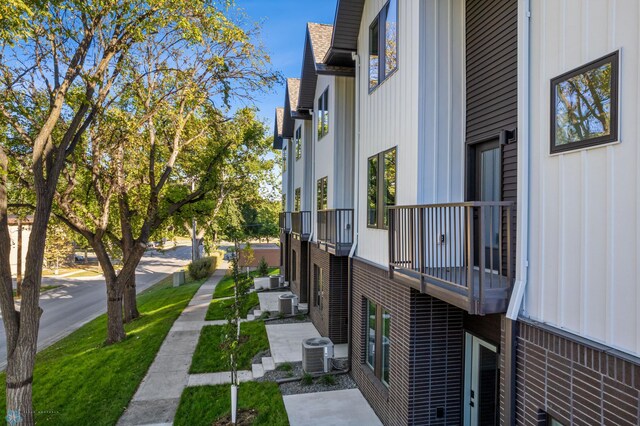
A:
[356,204]
[522,243]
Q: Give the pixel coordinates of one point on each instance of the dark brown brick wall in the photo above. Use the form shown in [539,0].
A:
[299,285]
[331,321]
[574,382]
[425,353]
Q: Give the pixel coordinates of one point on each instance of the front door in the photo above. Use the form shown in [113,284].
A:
[480,382]
[487,186]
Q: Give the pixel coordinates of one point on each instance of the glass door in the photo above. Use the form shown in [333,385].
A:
[480,382]
[488,188]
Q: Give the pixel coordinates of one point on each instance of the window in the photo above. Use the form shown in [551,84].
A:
[294,265]
[381,188]
[284,160]
[378,340]
[584,105]
[297,139]
[318,283]
[322,194]
[323,114]
[284,202]
[296,200]
[383,44]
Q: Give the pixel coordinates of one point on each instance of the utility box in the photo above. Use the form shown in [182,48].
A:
[178,278]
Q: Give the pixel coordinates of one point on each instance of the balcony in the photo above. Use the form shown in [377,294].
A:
[335,231]
[285,222]
[461,253]
[301,224]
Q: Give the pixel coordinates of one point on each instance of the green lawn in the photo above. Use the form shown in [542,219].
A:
[80,381]
[203,405]
[209,357]
[225,286]
[219,307]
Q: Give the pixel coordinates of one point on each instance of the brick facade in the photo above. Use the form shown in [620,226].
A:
[332,320]
[285,254]
[425,353]
[299,285]
[574,382]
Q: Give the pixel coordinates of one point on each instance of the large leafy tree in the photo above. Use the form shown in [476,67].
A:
[61,67]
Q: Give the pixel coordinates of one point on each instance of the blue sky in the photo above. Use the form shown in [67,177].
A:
[283,31]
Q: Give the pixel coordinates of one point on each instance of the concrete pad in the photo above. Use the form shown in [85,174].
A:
[268,364]
[341,350]
[257,370]
[269,301]
[285,340]
[336,408]
[160,411]
[211,379]
[162,385]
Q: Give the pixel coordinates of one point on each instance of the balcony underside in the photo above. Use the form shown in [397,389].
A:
[437,282]
[335,249]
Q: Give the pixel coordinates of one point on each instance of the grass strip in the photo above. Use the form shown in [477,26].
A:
[203,405]
[80,381]
[209,356]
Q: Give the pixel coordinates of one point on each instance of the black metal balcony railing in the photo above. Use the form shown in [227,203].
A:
[335,230]
[301,224]
[285,221]
[461,253]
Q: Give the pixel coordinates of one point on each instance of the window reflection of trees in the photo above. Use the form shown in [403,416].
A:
[583,106]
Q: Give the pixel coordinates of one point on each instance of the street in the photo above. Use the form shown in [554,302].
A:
[79,300]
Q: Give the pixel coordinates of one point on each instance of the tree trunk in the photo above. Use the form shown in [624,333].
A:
[115,325]
[130,303]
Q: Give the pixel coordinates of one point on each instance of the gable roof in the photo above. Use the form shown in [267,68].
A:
[317,44]
[291,112]
[277,128]
[344,39]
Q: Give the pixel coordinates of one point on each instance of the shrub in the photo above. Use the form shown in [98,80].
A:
[201,268]
[328,380]
[263,268]
[285,366]
[307,379]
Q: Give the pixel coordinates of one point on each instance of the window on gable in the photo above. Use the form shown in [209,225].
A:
[323,114]
[584,105]
[383,44]
[321,202]
[296,200]
[298,142]
[378,340]
[381,188]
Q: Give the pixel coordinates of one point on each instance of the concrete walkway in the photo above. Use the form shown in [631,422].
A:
[157,398]
[343,407]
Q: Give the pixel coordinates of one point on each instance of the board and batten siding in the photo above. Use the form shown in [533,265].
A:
[388,118]
[302,167]
[585,205]
[420,109]
[341,189]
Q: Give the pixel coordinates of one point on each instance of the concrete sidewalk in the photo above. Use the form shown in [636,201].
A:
[342,407]
[158,396]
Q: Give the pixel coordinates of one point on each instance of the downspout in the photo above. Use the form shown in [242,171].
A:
[356,204]
[522,244]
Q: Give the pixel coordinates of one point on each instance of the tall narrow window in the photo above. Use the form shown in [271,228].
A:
[381,188]
[389,185]
[584,105]
[372,192]
[322,116]
[372,322]
[297,200]
[386,345]
[383,44]
[378,340]
[298,141]
[318,284]
[321,202]
[284,160]
[294,265]
[284,202]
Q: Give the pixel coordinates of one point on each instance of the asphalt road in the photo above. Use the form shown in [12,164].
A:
[79,300]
